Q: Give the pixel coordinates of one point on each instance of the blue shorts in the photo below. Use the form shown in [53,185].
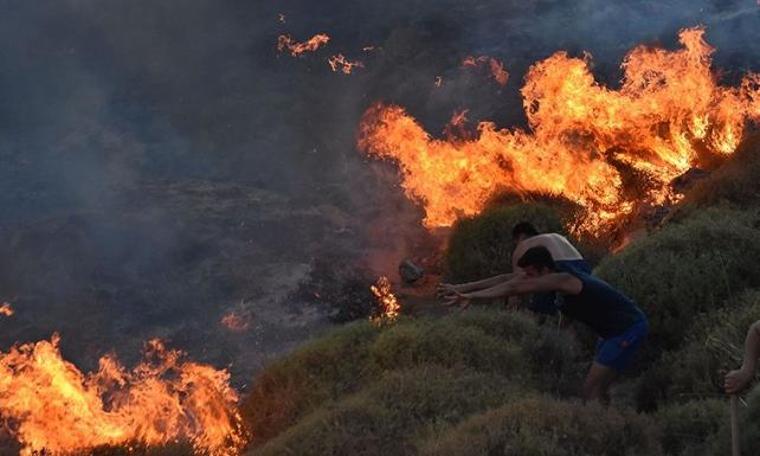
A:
[545,303]
[618,352]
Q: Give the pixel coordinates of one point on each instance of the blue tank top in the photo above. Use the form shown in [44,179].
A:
[604,309]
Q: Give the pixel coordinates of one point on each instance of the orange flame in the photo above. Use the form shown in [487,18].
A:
[389,305]
[6,310]
[669,115]
[236,321]
[51,406]
[340,63]
[286,42]
[495,67]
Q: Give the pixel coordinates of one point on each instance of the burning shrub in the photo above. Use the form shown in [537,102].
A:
[388,416]
[689,267]
[297,384]
[735,183]
[713,346]
[690,428]
[168,450]
[541,425]
[482,246]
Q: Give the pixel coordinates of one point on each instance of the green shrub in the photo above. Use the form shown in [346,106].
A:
[389,416]
[687,268]
[691,428]
[482,246]
[713,346]
[447,343]
[489,341]
[544,426]
[749,429]
[749,424]
[300,382]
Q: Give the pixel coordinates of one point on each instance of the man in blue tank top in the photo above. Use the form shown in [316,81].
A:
[615,318]
[566,257]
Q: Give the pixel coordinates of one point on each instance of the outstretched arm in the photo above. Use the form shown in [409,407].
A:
[561,282]
[737,380]
[447,289]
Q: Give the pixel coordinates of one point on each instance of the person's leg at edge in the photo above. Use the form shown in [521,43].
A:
[598,381]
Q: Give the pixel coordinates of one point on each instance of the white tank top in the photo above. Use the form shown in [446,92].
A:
[560,248]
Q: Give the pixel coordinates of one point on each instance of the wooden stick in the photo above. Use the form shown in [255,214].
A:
[735,448]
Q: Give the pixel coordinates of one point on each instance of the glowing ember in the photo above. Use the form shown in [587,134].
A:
[236,321]
[6,310]
[341,63]
[494,66]
[669,115]
[388,304]
[285,42]
[50,406]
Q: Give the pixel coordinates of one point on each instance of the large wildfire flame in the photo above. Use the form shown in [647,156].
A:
[48,404]
[669,115]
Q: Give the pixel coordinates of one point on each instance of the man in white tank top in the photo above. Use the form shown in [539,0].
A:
[564,254]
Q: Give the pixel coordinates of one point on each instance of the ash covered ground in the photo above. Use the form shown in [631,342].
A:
[164,165]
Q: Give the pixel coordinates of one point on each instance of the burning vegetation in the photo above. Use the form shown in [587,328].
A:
[6,310]
[51,406]
[340,63]
[584,140]
[388,305]
[494,67]
[296,49]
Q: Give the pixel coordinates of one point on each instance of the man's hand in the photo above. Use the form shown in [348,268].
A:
[737,380]
[457,298]
[445,289]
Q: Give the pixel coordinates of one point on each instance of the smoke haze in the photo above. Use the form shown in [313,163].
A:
[163,165]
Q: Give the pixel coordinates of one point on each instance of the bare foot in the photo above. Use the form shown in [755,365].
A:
[737,380]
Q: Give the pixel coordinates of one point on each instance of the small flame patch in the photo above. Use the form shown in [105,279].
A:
[388,305]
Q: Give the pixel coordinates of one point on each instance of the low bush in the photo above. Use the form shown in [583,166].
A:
[713,346]
[391,415]
[447,343]
[489,341]
[693,428]
[687,268]
[545,426]
[719,442]
[749,424]
[324,369]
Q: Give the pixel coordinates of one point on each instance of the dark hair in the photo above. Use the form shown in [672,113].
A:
[539,257]
[524,228]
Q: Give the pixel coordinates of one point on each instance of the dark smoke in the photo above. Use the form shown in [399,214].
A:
[162,164]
